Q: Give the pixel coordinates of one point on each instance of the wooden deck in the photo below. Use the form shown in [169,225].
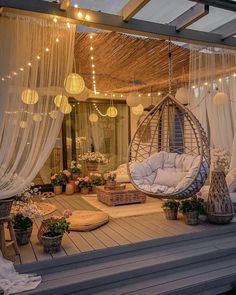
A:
[120,231]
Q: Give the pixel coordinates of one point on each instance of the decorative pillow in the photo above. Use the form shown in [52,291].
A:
[155,161]
[231,180]
[169,160]
[169,178]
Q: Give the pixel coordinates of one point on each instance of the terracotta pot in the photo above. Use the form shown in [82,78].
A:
[57,189]
[5,207]
[84,190]
[74,176]
[42,230]
[23,236]
[171,214]
[51,244]
[70,188]
[92,166]
[191,218]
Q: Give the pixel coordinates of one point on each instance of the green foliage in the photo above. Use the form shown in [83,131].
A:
[192,204]
[58,226]
[170,204]
[21,222]
[97,181]
[59,179]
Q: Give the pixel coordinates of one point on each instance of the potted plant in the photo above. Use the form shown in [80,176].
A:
[170,208]
[110,179]
[51,239]
[92,160]
[96,180]
[75,170]
[191,208]
[58,180]
[23,226]
[84,183]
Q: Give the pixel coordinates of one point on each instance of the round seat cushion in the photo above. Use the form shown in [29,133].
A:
[83,220]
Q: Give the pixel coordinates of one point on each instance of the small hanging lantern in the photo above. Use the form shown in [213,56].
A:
[60,100]
[74,84]
[133,100]
[220,98]
[66,108]
[112,112]
[29,96]
[37,117]
[138,110]
[93,118]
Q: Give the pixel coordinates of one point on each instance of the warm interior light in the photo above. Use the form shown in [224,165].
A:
[29,96]
[38,57]
[29,64]
[74,84]
[112,112]
[80,15]
[91,48]
[76,6]
[93,118]
[57,40]
[21,69]
[55,20]
[46,49]
[68,25]
[87,17]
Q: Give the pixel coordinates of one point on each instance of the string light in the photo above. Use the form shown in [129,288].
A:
[47,49]
[159,93]
[139,95]
[14,73]
[220,80]
[149,94]
[3,79]
[38,57]
[68,25]
[91,36]
[76,6]
[29,64]
[193,86]
[91,48]
[21,69]
[92,57]
[80,15]
[234,74]
[57,40]
[87,17]
[55,20]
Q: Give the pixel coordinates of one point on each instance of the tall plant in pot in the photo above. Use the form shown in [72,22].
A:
[75,170]
[170,208]
[52,239]
[191,208]
[84,183]
[92,160]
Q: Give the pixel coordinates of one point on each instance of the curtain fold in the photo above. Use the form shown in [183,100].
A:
[36,54]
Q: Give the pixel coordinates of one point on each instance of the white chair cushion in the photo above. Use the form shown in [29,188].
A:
[169,178]
[187,162]
[169,160]
[155,161]
[231,180]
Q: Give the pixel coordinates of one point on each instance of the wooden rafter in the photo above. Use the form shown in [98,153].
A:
[132,8]
[65,4]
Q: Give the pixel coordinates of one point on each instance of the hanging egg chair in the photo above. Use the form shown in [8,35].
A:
[169,154]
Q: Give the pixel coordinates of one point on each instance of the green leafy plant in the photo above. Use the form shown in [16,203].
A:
[21,222]
[96,182]
[192,204]
[59,179]
[170,204]
[57,226]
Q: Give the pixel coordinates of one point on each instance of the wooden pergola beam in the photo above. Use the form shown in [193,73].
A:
[223,4]
[227,30]
[65,4]
[115,23]
[190,16]
[132,8]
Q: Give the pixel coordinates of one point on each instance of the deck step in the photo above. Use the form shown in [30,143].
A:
[176,265]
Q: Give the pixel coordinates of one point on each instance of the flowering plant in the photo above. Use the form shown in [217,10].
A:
[74,167]
[93,157]
[221,159]
[111,176]
[60,178]
[80,140]
[67,213]
[57,225]
[83,181]
[27,194]
[96,179]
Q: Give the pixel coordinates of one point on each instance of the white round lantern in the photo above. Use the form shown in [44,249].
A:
[23,124]
[93,118]
[74,84]
[220,98]
[183,95]
[37,117]
[29,96]
[60,100]
[112,112]
[66,108]
[83,95]
[53,114]
[138,110]
[133,100]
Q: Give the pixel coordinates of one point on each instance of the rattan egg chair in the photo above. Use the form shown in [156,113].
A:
[169,145]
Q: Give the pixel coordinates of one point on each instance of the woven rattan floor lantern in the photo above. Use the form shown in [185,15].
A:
[173,160]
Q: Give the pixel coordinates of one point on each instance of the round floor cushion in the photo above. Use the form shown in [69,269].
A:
[87,220]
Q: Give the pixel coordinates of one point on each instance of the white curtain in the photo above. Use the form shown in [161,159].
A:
[212,71]
[36,54]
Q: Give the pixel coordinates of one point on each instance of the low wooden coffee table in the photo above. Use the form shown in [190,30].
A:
[129,195]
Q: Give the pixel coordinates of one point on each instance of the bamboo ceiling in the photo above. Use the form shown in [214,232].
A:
[124,63]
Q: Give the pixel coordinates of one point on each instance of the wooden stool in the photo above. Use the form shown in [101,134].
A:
[3,243]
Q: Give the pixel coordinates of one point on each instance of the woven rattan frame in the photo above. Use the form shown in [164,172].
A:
[160,123]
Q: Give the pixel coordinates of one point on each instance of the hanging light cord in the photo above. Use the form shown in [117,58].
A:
[170,66]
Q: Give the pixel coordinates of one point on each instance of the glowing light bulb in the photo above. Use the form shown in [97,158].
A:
[93,72]
[91,48]
[76,6]
[91,36]
[3,79]
[220,80]
[139,95]
[46,49]
[38,57]
[205,83]
[14,73]
[93,66]
[57,40]
[92,57]
[105,94]
[149,94]
[87,17]
[29,64]
[21,69]
[80,15]
[9,77]
[234,75]
[193,86]
[121,95]
[159,93]
[68,25]
[93,77]
[55,20]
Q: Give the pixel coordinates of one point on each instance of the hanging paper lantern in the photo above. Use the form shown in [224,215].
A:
[183,95]
[112,112]
[83,95]
[138,110]
[133,100]
[23,124]
[66,108]
[220,98]
[93,118]
[60,99]
[74,84]
[53,114]
[37,117]
[29,96]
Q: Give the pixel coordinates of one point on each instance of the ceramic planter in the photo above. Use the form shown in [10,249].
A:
[51,244]
[42,230]
[70,188]
[57,189]
[191,218]
[23,236]
[5,207]
[171,214]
